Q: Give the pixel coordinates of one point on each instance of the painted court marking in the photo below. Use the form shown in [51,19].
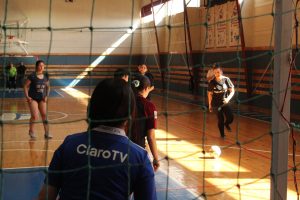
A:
[42,150]
[11,116]
[56,90]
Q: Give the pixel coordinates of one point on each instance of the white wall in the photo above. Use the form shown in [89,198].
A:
[258,28]
[257,23]
[170,40]
[115,15]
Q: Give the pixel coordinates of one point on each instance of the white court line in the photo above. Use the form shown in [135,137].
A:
[23,141]
[65,115]
[29,167]
[59,93]
[77,114]
[42,150]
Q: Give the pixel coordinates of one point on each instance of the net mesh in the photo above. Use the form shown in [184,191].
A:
[210,181]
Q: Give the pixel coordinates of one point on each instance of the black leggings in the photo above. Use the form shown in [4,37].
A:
[225,110]
[12,82]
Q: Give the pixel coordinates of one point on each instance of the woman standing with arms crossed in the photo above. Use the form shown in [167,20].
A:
[37,89]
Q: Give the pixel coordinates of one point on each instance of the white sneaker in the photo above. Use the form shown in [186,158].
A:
[32,135]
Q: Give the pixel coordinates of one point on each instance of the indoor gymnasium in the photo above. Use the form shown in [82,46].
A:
[149,99]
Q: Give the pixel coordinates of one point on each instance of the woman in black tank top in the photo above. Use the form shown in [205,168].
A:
[36,89]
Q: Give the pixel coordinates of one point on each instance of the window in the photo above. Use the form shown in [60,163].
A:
[164,8]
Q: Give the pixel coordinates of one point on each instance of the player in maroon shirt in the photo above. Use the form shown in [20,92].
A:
[146,119]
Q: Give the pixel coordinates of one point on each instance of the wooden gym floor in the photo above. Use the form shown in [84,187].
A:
[181,135]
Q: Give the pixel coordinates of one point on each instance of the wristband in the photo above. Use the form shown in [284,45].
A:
[155,162]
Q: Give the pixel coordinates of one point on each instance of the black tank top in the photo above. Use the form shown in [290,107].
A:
[37,89]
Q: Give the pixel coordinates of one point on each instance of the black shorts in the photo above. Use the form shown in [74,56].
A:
[37,99]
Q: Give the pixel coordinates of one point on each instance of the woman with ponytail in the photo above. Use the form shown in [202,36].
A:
[146,118]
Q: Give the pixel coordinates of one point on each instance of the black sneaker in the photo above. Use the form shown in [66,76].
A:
[228,127]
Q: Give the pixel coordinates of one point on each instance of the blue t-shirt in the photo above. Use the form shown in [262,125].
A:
[37,89]
[109,167]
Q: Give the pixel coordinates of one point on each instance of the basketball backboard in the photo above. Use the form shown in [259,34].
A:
[13,34]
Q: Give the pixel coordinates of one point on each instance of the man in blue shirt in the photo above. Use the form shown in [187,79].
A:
[102,163]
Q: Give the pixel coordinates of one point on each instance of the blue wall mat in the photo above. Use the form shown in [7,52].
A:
[17,60]
[74,60]
[21,184]
[20,94]
[25,184]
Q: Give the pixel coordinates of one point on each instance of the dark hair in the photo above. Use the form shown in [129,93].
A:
[216,66]
[140,83]
[148,70]
[37,63]
[120,72]
[109,104]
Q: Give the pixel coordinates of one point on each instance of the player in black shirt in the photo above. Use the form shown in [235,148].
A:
[143,70]
[21,70]
[37,89]
[220,92]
